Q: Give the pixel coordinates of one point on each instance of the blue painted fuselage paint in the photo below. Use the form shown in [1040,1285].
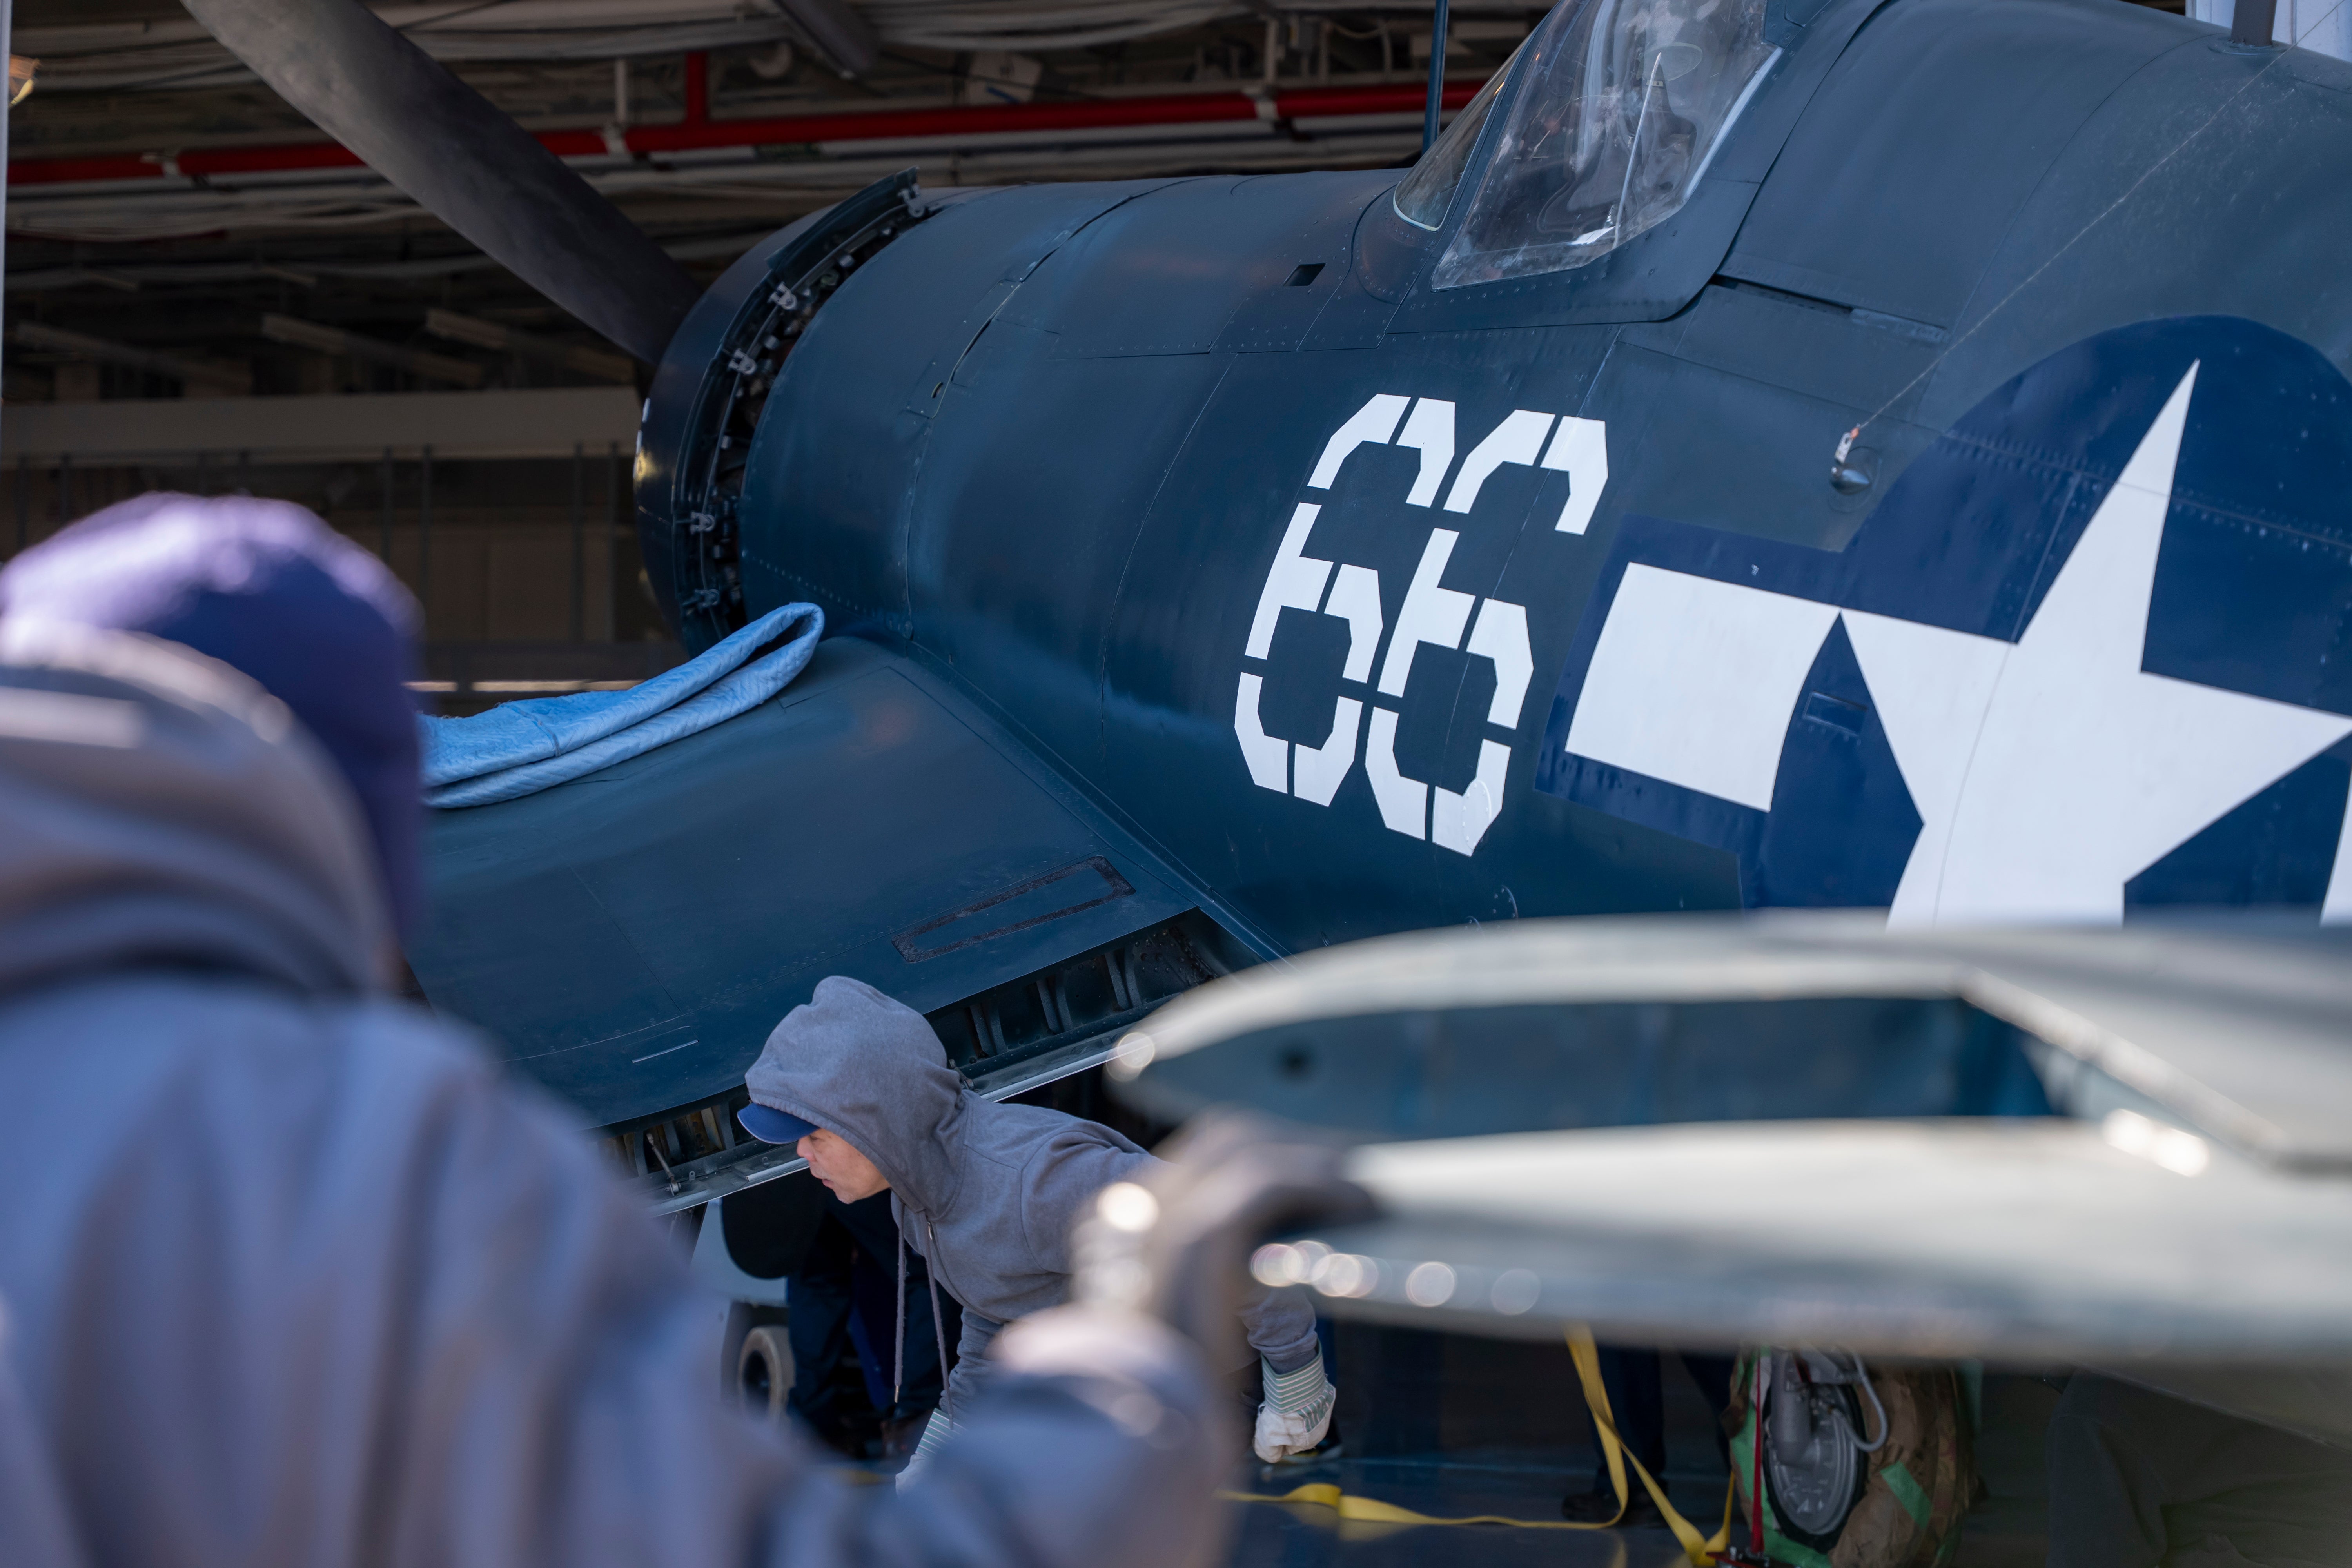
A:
[1353,605]
[1077,520]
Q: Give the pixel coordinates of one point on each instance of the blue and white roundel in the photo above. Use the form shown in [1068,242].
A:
[2088,654]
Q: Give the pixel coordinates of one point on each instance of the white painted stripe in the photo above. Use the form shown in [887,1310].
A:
[1694,682]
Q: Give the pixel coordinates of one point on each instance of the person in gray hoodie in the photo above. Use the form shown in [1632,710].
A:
[290,1272]
[987,1193]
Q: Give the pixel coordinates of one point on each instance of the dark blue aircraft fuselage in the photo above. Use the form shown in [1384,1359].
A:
[1054,438]
[1364,605]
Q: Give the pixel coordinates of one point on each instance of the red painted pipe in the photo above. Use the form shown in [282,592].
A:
[698,130]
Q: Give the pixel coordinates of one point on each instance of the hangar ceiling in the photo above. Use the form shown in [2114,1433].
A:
[162,200]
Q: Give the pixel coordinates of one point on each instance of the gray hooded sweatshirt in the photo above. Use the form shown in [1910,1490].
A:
[293,1275]
[987,1193]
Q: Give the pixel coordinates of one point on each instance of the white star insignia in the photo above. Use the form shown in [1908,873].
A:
[2047,772]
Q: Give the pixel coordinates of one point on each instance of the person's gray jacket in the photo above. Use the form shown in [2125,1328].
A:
[295,1274]
[988,1193]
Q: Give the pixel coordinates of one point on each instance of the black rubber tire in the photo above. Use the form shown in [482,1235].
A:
[1822,1542]
[763,1370]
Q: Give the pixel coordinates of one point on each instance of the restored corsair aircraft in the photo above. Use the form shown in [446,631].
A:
[1885,454]
[1877,453]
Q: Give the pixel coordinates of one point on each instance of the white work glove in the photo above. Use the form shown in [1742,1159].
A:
[1297,1412]
[936,1431]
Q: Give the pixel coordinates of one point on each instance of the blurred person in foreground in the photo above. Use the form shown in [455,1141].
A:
[293,1273]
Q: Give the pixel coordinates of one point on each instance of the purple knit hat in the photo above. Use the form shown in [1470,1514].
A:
[266,587]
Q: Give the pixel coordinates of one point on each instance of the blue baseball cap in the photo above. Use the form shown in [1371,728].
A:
[770,1125]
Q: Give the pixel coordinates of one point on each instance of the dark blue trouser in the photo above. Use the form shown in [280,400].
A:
[841,1297]
[1637,1399]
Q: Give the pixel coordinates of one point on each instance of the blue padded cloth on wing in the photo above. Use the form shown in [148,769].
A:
[520,748]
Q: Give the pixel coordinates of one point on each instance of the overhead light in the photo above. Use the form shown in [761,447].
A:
[21,68]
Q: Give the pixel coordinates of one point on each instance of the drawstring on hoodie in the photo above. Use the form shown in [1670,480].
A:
[938,1329]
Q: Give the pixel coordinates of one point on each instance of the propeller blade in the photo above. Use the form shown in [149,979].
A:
[462,159]
[842,36]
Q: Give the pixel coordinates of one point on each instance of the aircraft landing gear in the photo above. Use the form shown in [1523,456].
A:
[1814,1456]
[763,1377]
[1867,1469]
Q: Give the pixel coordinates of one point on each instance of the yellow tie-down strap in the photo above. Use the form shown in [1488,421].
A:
[1371,1511]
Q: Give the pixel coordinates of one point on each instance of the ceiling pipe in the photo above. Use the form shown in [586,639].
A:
[455,154]
[846,129]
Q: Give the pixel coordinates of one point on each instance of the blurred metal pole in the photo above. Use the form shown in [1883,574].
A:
[612,534]
[6,25]
[425,543]
[578,539]
[24,497]
[6,29]
[845,38]
[1436,77]
[383,523]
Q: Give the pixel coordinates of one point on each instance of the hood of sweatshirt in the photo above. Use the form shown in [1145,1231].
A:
[159,808]
[988,1194]
[993,1190]
[871,1070]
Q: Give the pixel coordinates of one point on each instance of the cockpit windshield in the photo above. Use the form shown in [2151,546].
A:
[1423,195]
[1625,104]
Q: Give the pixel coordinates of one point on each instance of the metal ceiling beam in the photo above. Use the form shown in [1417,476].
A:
[546,351]
[106,350]
[543,422]
[336,341]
